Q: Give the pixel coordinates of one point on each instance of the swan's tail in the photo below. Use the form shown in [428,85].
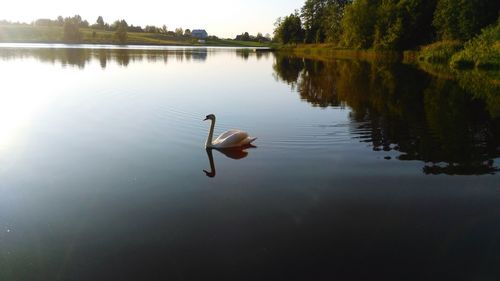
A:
[247,142]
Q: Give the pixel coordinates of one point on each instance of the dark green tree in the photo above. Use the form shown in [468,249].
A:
[100,23]
[121,31]
[60,21]
[417,19]
[312,14]
[78,19]
[321,19]
[358,24]
[388,27]
[289,30]
[332,19]
[84,24]
[462,19]
[71,30]
[151,29]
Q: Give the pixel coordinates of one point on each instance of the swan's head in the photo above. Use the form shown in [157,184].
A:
[210,117]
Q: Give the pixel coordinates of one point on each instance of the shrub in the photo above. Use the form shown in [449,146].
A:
[483,51]
[440,52]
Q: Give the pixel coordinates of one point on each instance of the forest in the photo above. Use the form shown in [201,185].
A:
[386,24]
[459,26]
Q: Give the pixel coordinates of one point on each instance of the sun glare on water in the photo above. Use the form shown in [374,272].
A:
[21,97]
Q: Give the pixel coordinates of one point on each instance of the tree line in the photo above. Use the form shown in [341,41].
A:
[100,24]
[385,24]
[72,25]
[245,36]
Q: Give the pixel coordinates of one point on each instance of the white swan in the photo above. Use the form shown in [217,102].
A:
[229,139]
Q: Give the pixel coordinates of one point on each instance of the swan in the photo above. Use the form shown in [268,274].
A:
[229,139]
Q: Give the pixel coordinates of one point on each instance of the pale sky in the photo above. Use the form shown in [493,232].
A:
[223,18]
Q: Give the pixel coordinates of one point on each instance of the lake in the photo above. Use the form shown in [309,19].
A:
[361,171]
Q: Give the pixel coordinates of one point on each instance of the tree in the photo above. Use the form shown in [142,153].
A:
[164,29]
[78,20]
[151,29]
[261,38]
[462,19]
[100,23]
[43,22]
[332,20]
[71,30]
[245,37]
[388,26]
[289,30]
[311,14]
[84,24]
[358,24]
[132,28]
[179,31]
[121,31]
[321,19]
[187,32]
[417,18]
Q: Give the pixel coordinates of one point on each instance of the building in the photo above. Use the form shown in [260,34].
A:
[199,33]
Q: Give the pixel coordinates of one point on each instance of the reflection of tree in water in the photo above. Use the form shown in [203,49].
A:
[187,55]
[122,57]
[484,85]
[247,53]
[179,55]
[243,53]
[75,57]
[288,68]
[103,58]
[82,57]
[399,108]
[199,54]
[66,57]
[262,54]
[467,137]
[317,86]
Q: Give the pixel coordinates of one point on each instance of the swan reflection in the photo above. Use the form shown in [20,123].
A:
[235,153]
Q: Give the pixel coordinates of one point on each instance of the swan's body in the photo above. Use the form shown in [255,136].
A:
[229,139]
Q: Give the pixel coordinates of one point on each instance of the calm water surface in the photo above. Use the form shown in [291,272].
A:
[362,171]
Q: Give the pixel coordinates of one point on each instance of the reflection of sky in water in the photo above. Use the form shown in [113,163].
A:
[110,161]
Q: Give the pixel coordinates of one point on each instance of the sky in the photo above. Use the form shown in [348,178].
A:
[223,18]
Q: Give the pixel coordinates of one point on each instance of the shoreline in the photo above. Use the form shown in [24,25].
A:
[118,46]
[328,52]
[416,57]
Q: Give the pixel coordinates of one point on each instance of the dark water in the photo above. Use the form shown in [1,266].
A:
[362,171]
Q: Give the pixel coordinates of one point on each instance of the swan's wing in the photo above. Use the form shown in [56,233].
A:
[227,134]
[231,139]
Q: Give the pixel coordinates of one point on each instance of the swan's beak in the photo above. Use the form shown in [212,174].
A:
[205,119]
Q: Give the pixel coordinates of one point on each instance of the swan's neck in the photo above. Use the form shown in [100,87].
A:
[208,144]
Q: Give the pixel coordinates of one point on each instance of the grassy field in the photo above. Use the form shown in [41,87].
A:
[40,34]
